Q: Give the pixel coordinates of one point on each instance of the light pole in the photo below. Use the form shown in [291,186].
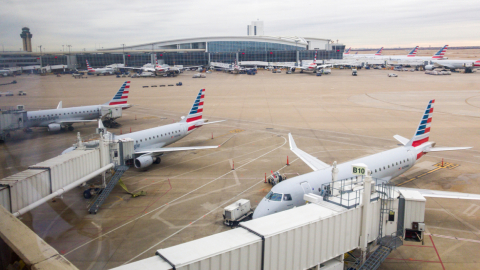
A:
[123,48]
[69,46]
[40,49]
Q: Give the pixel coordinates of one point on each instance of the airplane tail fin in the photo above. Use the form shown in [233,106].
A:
[477,63]
[156,60]
[413,52]
[423,131]
[379,52]
[196,112]
[348,51]
[356,53]
[315,58]
[440,53]
[121,96]
[89,68]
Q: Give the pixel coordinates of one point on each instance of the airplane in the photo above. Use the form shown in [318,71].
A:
[61,118]
[98,71]
[6,72]
[384,166]
[312,67]
[150,144]
[468,65]
[347,51]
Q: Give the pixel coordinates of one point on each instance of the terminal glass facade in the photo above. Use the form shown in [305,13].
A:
[185,59]
[98,60]
[51,60]
[236,46]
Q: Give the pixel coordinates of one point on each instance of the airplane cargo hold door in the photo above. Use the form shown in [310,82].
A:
[306,187]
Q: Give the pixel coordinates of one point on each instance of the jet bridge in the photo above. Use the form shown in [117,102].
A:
[11,119]
[93,155]
[356,216]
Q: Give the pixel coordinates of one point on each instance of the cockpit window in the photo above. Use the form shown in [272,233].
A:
[274,196]
[287,197]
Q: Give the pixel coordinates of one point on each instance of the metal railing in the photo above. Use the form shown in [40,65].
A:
[347,192]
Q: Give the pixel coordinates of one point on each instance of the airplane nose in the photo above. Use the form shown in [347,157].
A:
[261,210]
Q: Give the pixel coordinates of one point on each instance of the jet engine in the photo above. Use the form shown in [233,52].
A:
[54,127]
[143,162]
[429,67]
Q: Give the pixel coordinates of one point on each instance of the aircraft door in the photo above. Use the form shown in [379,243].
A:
[306,187]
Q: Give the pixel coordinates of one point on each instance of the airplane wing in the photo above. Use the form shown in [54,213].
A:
[310,160]
[442,194]
[173,149]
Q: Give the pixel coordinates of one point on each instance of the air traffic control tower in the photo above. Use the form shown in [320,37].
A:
[26,39]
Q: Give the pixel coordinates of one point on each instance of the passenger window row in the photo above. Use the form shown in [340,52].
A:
[158,136]
[393,165]
[59,114]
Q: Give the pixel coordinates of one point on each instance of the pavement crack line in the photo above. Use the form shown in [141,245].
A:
[178,198]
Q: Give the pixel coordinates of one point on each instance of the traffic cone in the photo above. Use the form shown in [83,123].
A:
[442,163]
[288,163]
[265,178]
[120,131]
[233,165]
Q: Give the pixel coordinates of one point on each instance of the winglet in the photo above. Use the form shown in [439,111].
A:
[59,105]
[293,145]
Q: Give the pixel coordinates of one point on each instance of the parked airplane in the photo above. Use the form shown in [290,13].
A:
[384,166]
[150,144]
[468,65]
[56,119]
[347,51]
[312,67]
[98,71]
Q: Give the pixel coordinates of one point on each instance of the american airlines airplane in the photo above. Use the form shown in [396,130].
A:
[347,51]
[106,70]
[150,144]
[312,67]
[468,65]
[60,118]
[384,166]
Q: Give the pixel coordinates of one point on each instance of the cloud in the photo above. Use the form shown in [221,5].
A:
[93,24]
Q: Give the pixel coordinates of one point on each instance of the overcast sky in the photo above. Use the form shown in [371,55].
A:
[110,23]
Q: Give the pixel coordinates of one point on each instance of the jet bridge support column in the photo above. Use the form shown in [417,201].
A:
[367,186]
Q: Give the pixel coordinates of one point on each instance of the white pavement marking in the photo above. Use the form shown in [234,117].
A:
[455,238]
[471,210]
[473,228]
[184,195]
[186,226]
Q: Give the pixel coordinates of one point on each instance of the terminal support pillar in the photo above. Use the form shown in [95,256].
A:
[334,178]
[366,213]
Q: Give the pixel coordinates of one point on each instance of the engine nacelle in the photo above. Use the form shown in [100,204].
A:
[429,67]
[143,162]
[54,127]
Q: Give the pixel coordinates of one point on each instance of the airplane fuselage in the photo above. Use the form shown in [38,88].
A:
[384,166]
[43,118]
[158,137]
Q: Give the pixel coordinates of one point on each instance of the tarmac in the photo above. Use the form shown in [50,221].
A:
[336,117]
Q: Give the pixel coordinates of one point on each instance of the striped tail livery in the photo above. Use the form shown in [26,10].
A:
[420,141]
[440,53]
[413,52]
[423,131]
[379,52]
[121,96]
[347,51]
[89,68]
[196,112]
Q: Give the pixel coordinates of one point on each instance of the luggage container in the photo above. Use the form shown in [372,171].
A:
[24,188]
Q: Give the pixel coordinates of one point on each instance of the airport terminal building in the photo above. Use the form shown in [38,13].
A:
[188,52]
